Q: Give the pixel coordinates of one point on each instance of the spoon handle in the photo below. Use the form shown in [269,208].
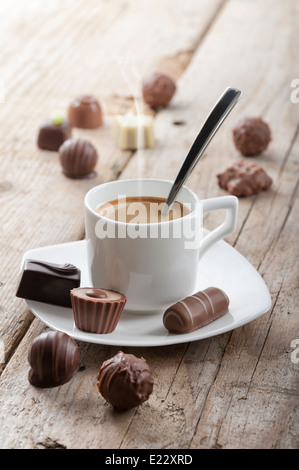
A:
[218,114]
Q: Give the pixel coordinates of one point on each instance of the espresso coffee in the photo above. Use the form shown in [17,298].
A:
[141,210]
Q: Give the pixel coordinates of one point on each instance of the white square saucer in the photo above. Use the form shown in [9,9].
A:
[222,266]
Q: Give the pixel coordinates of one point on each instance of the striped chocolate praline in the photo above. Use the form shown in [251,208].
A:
[97,310]
[196,311]
[78,158]
[53,357]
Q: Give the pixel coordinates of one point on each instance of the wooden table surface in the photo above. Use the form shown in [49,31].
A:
[235,390]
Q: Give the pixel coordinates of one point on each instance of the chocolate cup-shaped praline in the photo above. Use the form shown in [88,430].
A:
[53,357]
[97,310]
[85,112]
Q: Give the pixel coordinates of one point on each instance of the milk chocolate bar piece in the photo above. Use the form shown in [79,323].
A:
[132,131]
[48,282]
[196,311]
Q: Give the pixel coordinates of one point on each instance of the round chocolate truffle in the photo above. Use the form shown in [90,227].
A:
[85,112]
[53,357]
[78,158]
[125,381]
[158,89]
[251,136]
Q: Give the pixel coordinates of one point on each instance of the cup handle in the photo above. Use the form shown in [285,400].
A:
[230,203]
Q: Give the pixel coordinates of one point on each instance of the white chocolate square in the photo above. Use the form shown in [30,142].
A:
[133,131]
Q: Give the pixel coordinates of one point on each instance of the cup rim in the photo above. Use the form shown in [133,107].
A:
[117,222]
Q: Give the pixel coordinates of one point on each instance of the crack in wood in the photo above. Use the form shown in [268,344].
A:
[289,151]
[277,238]
[49,443]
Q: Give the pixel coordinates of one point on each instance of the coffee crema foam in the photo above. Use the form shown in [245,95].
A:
[141,210]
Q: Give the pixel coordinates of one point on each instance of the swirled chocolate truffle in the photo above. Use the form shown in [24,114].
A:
[244,179]
[53,357]
[78,158]
[53,132]
[125,381]
[85,112]
[97,310]
[158,89]
[251,136]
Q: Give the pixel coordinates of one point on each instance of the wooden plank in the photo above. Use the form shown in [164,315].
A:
[238,412]
[192,104]
[261,409]
[216,392]
[98,47]
[73,50]
[35,88]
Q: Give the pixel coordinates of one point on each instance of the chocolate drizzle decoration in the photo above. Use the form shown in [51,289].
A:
[125,381]
[66,268]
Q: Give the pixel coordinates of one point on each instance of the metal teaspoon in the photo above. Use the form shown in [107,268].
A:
[216,117]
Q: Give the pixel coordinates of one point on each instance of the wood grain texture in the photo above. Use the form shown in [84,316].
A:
[236,390]
[59,52]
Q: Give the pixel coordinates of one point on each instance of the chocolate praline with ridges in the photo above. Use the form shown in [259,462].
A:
[196,311]
[97,310]
[78,158]
[53,357]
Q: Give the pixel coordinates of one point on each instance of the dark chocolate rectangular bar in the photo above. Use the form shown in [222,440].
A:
[48,282]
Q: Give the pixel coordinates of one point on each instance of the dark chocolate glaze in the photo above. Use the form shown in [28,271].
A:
[53,357]
[195,311]
[125,381]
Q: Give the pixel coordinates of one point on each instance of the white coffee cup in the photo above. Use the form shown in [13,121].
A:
[158,265]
